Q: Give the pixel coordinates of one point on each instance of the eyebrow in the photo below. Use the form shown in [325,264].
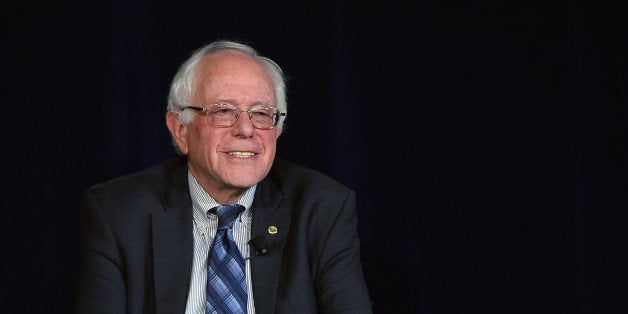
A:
[237,104]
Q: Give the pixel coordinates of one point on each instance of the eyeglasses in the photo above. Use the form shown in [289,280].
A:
[224,115]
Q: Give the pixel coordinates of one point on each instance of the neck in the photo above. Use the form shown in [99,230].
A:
[226,197]
[221,193]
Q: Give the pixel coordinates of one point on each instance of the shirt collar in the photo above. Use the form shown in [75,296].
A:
[202,201]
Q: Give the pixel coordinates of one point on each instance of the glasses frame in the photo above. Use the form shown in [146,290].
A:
[276,115]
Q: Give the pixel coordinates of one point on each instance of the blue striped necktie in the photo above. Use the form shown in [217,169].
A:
[226,283]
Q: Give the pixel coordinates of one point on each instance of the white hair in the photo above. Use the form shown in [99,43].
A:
[181,88]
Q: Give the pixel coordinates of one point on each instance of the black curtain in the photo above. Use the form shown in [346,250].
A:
[486,141]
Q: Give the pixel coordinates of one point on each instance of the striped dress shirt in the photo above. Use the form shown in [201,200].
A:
[204,231]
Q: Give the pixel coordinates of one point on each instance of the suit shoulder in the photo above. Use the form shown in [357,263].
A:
[288,175]
[152,178]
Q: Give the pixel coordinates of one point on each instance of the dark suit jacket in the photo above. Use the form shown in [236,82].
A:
[136,244]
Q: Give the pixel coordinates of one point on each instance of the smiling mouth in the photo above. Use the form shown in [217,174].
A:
[241,154]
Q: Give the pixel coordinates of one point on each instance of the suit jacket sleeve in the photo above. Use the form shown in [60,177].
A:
[100,286]
[339,280]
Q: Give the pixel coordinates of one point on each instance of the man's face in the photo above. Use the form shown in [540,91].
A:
[230,159]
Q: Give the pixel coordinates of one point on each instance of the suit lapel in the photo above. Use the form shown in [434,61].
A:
[273,224]
[173,246]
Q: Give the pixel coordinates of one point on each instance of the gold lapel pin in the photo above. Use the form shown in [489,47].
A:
[272,229]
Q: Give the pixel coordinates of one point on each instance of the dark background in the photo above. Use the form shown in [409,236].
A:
[486,141]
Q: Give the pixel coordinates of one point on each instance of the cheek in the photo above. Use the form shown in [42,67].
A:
[194,138]
[272,136]
[203,141]
[270,144]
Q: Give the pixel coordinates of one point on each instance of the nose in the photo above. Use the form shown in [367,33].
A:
[243,126]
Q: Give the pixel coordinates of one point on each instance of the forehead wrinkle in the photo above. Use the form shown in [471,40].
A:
[226,71]
[251,95]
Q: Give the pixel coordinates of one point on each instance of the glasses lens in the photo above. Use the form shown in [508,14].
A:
[263,118]
[222,114]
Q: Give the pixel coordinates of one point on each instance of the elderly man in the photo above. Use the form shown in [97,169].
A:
[225,227]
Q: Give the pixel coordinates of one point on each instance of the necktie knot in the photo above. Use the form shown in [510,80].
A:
[227,214]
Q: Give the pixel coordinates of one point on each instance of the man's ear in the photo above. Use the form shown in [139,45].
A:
[177,130]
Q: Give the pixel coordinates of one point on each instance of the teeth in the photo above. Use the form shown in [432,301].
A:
[241,154]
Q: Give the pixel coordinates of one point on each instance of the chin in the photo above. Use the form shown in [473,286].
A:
[244,175]
[244,182]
